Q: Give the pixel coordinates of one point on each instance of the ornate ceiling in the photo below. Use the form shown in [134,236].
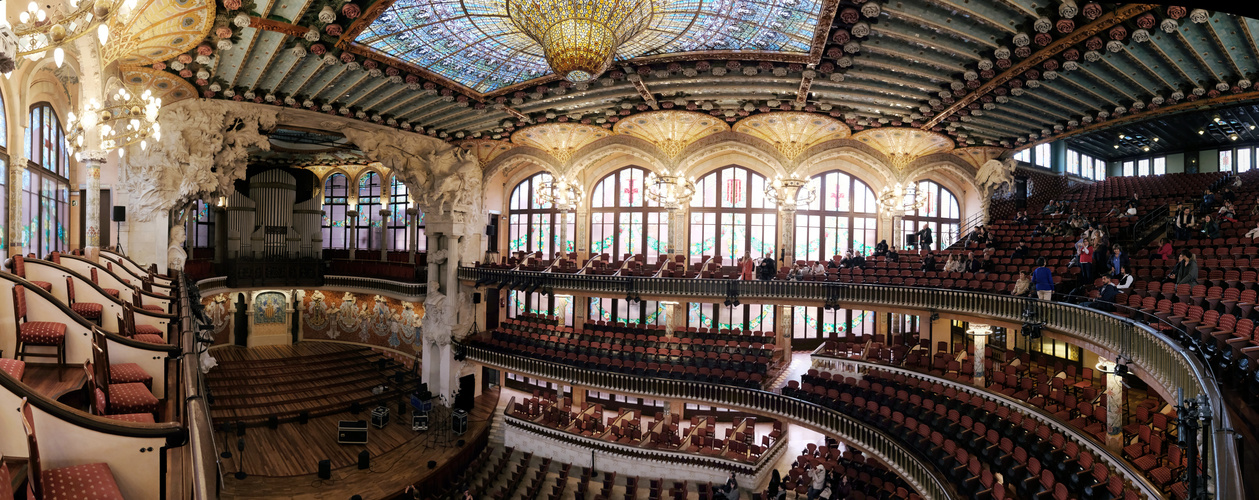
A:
[999,73]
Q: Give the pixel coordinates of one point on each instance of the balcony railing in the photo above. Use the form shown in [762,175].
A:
[905,462]
[1161,358]
[409,291]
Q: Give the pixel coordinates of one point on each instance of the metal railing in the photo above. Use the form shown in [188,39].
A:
[396,288]
[924,478]
[205,475]
[1163,360]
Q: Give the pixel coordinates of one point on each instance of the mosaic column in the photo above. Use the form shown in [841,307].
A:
[563,240]
[786,235]
[783,334]
[581,242]
[93,161]
[1114,405]
[384,230]
[352,219]
[674,312]
[980,333]
[413,234]
[677,238]
[17,167]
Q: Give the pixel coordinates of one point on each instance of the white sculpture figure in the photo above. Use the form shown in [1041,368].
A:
[8,48]
[436,327]
[994,178]
[204,149]
[442,177]
[175,254]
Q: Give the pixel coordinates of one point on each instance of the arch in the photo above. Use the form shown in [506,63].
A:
[533,226]
[623,220]
[4,125]
[519,155]
[764,158]
[942,213]
[870,164]
[844,216]
[731,217]
[336,197]
[45,189]
[592,154]
[370,190]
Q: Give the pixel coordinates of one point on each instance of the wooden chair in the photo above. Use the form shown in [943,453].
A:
[90,311]
[93,481]
[37,333]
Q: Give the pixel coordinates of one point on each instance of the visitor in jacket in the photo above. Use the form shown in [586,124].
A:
[1186,270]
[1086,260]
[1185,223]
[1210,227]
[924,238]
[880,249]
[1020,251]
[1118,260]
[929,263]
[1106,293]
[1166,252]
[1043,279]
[817,481]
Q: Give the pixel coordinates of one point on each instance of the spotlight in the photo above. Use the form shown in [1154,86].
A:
[1145,148]
[1233,136]
[1216,118]
[1116,146]
[1156,139]
[1200,131]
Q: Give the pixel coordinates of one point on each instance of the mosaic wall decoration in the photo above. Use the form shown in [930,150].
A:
[269,308]
[374,320]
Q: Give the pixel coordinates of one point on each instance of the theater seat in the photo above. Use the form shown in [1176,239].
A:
[37,333]
[93,481]
[13,367]
[19,268]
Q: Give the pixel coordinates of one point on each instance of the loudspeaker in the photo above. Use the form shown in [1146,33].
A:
[460,443]
[476,297]
[491,230]
[356,407]
[325,469]
[364,460]
[273,422]
[303,417]
[240,444]
[120,214]
[240,428]
[432,464]
[459,422]
[352,432]
[467,391]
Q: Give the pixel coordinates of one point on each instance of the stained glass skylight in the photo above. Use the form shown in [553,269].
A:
[474,43]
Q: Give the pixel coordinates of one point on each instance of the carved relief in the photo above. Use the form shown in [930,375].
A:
[442,177]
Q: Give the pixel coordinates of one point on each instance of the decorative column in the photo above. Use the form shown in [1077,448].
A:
[783,334]
[980,332]
[384,229]
[677,226]
[17,166]
[352,215]
[93,161]
[454,239]
[581,241]
[674,311]
[413,233]
[1114,402]
[786,234]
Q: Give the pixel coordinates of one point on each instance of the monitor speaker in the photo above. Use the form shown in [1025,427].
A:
[120,214]
[240,428]
[364,460]
[325,469]
[273,422]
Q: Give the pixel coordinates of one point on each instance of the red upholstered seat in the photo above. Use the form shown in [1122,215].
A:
[80,482]
[41,333]
[153,308]
[129,398]
[129,373]
[148,330]
[139,418]
[43,284]
[13,367]
[87,309]
[148,338]
[113,292]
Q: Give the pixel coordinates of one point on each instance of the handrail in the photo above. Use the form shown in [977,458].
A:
[402,289]
[1087,441]
[204,451]
[1161,358]
[905,462]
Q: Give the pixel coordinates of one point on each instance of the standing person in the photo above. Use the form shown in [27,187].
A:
[748,268]
[767,267]
[1118,260]
[817,477]
[1043,278]
[731,488]
[1086,260]
[1184,224]
[924,237]
[776,490]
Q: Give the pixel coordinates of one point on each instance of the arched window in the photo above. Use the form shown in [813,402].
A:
[843,216]
[398,204]
[533,226]
[368,225]
[623,221]
[45,190]
[336,193]
[941,213]
[731,217]
[203,225]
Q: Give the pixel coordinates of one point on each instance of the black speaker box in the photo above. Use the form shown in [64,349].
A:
[476,297]
[325,469]
[491,230]
[364,460]
[356,407]
[240,428]
[303,417]
[467,393]
[120,214]
[459,422]
[273,422]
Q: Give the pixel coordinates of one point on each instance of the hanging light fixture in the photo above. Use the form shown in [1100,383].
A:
[580,37]
[899,198]
[39,31]
[788,192]
[561,192]
[122,120]
[670,190]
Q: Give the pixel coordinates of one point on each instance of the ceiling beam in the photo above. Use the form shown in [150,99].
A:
[1105,21]
[1204,103]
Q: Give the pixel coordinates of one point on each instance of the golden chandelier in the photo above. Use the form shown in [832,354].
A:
[580,37]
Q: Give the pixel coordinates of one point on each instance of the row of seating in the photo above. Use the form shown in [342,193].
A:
[867,477]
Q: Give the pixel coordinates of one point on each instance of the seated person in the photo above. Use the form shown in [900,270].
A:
[1114,211]
[1228,212]
[880,249]
[858,260]
[1106,293]
[1022,218]
[1021,251]
[1050,208]
[929,263]
[893,255]
[1123,280]
[795,273]
[819,269]
[1022,286]
[1039,230]
[1210,227]
[1253,233]
[1166,252]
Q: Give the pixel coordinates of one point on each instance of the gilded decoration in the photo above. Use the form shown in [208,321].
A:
[904,145]
[158,30]
[561,140]
[979,155]
[792,132]
[168,87]
[671,131]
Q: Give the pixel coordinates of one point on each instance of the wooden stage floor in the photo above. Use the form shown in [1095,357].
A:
[282,463]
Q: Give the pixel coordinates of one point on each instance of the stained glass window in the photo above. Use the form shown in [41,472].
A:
[475,44]
[820,324]
[335,201]
[398,223]
[4,126]
[560,306]
[533,226]
[731,217]
[623,221]
[203,225]
[46,193]
[941,213]
[367,226]
[844,216]
[746,317]
[644,312]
